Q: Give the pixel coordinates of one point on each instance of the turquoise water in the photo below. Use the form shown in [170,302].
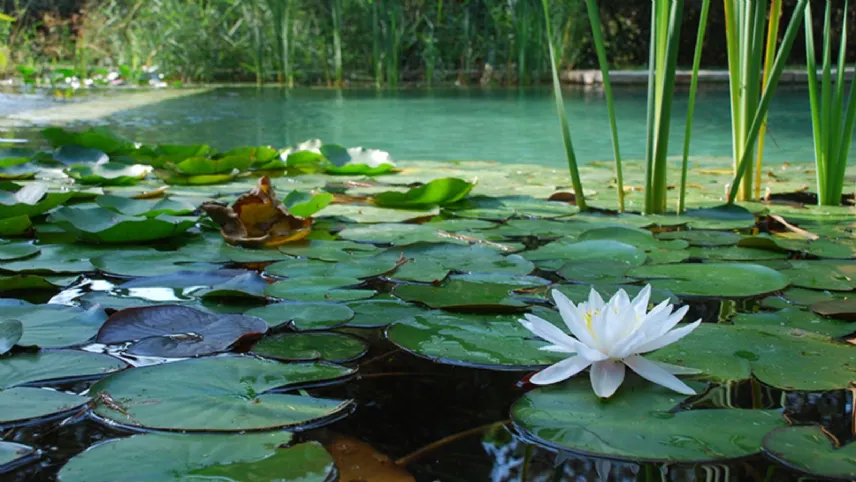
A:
[449,124]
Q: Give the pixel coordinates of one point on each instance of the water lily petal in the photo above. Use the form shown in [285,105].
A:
[560,371]
[595,302]
[640,303]
[572,318]
[548,331]
[606,377]
[666,339]
[557,349]
[653,372]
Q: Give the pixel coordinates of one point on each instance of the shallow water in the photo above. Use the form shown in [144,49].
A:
[449,124]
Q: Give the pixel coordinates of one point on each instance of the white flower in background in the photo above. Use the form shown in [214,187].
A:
[370,157]
[610,336]
[312,145]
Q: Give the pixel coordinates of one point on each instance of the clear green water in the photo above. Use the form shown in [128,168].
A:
[448,124]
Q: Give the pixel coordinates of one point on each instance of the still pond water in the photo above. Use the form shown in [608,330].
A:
[452,124]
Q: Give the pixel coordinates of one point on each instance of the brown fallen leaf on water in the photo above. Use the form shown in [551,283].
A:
[358,461]
[257,219]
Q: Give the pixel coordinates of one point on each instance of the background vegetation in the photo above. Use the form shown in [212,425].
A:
[339,41]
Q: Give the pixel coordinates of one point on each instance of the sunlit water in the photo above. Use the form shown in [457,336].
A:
[506,125]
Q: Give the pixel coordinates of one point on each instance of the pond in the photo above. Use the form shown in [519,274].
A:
[169,311]
[504,125]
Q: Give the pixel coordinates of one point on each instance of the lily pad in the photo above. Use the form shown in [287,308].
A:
[205,166]
[496,342]
[784,358]
[99,225]
[20,405]
[397,234]
[355,268]
[178,179]
[319,288]
[558,253]
[55,326]
[703,238]
[15,226]
[11,251]
[71,155]
[14,455]
[109,174]
[145,207]
[380,311]
[735,253]
[54,259]
[795,318]
[305,204]
[231,394]
[30,200]
[438,192]
[712,280]
[246,286]
[94,138]
[822,275]
[153,457]
[725,217]
[303,316]
[839,309]
[10,332]
[326,250]
[570,417]
[364,214]
[150,262]
[176,331]
[332,347]
[23,283]
[472,292]
[808,449]
[50,367]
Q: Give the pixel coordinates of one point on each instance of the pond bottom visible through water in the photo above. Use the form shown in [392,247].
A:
[417,420]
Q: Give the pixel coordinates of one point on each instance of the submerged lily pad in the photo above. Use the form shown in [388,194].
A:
[231,394]
[155,457]
[13,455]
[472,292]
[332,347]
[47,367]
[99,225]
[23,404]
[303,316]
[481,341]
[712,280]
[781,357]
[808,449]
[55,326]
[570,417]
[177,331]
[10,332]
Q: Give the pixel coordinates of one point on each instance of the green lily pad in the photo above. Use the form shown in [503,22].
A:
[397,234]
[14,455]
[94,138]
[15,226]
[808,449]
[355,268]
[71,155]
[203,166]
[109,174]
[570,417]
[49,367]
[186,279]
[171,177]
[150,262]
[332,347]
[502,208]
[839,309]
[145,207]
[734,253]
[702,238]
[433,262]
[305,204]
[781,357]
[558,253]
[326,250]
[99,225]
[496,342]
[231,394]
[11,251]
[30,201]
[712,280]
[10,332]
[438,192]
[175,331]
[55,259]
[822,275]
[303,316]
[19,171]
[380,311]
[725,217]
[795,318]
[248,286]
[472,292]
[318,288]
[22,283]
[55,326]
[21,405]
[249,457]
[363,214]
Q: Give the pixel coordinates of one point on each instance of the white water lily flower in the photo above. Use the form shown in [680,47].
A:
[371,157]
[312,145]
[610,336]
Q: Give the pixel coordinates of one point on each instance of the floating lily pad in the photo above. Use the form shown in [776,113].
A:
[433,262]
[30,200]
[438,192]
[205,166]
[703,238]
[15,226]
[332,347]
[10,332]
[781,357]
[150,262]
[185,279]
[502,208]
[712,280]
[735,253]
[355,268]
[496,342]
[822,275]
[358,213]
[145,207]
[558,253]
[380,311]
[54,326]
[160,457]
[23,404]
[19,171]
[303,316]
[570,417]
[725,217]
[306,204]
[94,138]
[795,318]
[397,234]
[176,331]
[49,367]
[21,283]
[109,174]
[246,286]
[839,309]
[14,455]
[808,449]
[231,394]
[71,155]
[55,259]
[11,251]
[472,292]
[326,250]
[99,225]
[319,288]
[178,179]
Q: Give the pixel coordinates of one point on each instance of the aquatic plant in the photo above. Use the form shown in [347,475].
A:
[609,336]
[833,114]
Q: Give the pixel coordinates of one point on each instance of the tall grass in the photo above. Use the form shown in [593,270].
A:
[769,54]
[832,113]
